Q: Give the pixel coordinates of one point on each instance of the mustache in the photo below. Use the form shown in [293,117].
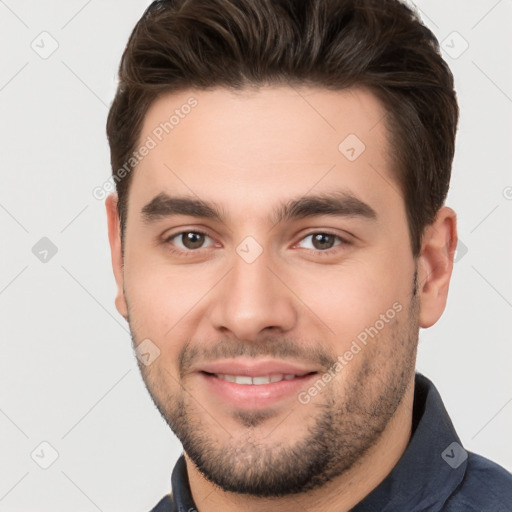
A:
[271,347]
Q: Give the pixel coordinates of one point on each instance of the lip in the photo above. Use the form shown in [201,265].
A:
[252,368]
[255,396]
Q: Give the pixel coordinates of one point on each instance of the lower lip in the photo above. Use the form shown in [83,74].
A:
[255,396]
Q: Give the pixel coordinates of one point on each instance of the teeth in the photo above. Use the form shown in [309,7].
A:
[263,379]
[243,379]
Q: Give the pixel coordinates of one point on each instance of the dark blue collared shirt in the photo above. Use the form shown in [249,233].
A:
[434,474]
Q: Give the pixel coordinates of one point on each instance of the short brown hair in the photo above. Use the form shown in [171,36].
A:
[378,44]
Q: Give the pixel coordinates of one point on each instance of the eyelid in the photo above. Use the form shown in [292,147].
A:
[343,242]
[167,238]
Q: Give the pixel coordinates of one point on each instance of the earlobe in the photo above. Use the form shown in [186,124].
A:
[114,236]
[435,266]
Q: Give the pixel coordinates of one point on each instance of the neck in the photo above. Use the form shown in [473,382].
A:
[340,494]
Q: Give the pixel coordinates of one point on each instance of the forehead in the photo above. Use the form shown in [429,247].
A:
[239,147]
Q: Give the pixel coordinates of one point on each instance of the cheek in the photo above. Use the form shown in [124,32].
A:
[349,298]
[157,310]
[161,297]
[147,294]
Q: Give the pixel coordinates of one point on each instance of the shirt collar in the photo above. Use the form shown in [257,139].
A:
[181,488]
[428,472]
[432,466]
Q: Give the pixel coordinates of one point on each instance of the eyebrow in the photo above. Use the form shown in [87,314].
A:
[336,204]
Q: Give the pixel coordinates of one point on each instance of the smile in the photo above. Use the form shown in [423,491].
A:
[258,380]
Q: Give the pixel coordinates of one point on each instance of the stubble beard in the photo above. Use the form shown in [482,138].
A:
[343,427]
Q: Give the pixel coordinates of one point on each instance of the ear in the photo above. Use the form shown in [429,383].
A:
[435,266]
[114,237]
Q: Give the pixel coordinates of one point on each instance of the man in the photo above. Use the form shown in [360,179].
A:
[278,237]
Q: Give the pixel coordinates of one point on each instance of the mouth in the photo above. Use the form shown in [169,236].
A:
[258,380]
[254,392]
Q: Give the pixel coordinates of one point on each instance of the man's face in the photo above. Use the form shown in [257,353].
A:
[255,293]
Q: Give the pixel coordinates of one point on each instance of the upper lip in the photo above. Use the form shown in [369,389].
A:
[254,368]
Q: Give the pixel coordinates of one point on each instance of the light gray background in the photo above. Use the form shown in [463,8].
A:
[68,374]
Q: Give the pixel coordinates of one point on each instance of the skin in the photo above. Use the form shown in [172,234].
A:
[249,152]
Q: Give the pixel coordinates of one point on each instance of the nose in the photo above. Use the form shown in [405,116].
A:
[253,301]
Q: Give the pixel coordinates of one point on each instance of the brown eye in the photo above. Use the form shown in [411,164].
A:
[322,241]
[188,241]
[192,240]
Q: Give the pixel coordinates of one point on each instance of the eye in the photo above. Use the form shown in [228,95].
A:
[323,242]
[188,241]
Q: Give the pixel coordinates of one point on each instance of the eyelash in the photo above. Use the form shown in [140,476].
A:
[316,252]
